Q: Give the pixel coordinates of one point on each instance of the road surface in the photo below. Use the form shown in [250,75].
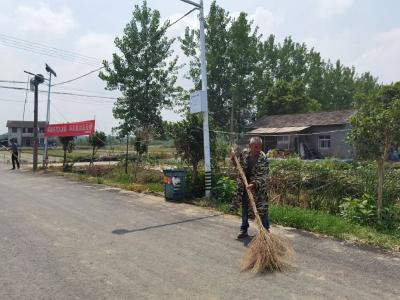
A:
[67,240]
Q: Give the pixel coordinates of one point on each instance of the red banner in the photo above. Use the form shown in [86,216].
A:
[70,129]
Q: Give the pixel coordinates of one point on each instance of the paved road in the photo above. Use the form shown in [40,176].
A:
[67,240]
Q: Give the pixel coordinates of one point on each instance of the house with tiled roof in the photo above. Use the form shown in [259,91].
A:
[312,135]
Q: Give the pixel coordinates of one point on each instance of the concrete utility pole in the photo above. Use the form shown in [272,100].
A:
[38,79]
[51,72]
[206,133]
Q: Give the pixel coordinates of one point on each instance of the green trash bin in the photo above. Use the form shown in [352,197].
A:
[174,184]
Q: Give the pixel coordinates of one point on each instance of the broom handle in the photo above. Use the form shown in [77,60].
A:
[249,193]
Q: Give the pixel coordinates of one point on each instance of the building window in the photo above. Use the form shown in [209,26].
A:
[14,130]
[30,130]
[24,130]
[283,142]
[41,130]
[324,141]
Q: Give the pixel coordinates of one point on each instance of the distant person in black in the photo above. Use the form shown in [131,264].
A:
[14,154]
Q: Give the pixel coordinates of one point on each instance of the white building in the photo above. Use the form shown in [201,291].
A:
[22,132]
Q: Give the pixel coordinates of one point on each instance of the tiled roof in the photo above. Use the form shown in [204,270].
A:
[305,119]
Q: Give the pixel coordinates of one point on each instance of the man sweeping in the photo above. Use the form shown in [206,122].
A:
[255,165]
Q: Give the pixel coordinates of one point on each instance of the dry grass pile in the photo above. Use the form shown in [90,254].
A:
[267,252]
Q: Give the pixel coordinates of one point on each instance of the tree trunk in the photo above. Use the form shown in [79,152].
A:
[65,157]
[381,176]
[232,126]
[126,156]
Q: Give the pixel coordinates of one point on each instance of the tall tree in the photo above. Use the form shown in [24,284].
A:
[243,55]
[143,71]
[287,98]
[67,143]
[376,129]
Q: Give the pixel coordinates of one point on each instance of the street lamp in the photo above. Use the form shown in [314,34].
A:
[206,134]
[51,72]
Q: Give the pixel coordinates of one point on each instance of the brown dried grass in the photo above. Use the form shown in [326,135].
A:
[267,252]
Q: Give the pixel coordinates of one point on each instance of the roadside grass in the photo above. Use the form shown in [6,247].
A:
[334,226]
[320,222]
[150,181]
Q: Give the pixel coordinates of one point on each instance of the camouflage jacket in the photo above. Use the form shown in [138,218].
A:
[259,177]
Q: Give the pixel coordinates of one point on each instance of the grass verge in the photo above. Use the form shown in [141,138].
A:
[334,226]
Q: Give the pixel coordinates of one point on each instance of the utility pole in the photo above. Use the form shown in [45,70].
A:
[206,132]
[45,157]
[35,81]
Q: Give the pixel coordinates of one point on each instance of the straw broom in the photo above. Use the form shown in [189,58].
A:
[266,252]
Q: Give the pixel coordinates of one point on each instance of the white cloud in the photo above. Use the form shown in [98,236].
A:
[266,21]
[382,59]
[97,45]
[328,8]
[41,20]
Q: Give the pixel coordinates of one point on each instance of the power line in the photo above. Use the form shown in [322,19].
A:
[79,77]
[50,54]
[60,93]
[59,112]
[176,21]
[86,101]
[26,98]
[13,81]
[38,48]
[106,92]
[8,37]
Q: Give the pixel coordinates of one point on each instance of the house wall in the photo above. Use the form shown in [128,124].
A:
[21,137]
[338,148]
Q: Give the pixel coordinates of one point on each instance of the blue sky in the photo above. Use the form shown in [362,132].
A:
[363,33]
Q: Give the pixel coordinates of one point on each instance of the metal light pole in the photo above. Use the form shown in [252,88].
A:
[51,72]
[35,81]
[206,134]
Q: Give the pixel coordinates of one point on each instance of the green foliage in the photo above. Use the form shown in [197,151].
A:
[335,226]
[249,77]
[188,138]
[219,151]
[195,186]
[376,126]
[324,184]
[286,98]
[68,145]
[376,130]
[142,70]
[225,189]
[140,146]
[359,210]
[98,140]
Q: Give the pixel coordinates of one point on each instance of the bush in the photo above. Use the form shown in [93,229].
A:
[195,189]
[359,210]
[225,189]
[324,184]
[151,177]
